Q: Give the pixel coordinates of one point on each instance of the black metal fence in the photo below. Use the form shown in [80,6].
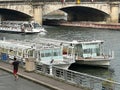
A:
[79,79]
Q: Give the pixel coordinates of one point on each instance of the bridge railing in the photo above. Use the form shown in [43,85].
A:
[73,0]
[78,79]
[54,1]
[58,0]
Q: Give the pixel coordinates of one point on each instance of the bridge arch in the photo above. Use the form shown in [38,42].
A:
[16,11]
[9,14]
[104,7]
[82,13]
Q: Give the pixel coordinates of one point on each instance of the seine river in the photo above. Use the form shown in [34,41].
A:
[111,38]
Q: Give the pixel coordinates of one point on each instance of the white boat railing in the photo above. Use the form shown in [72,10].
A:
[111,54]
[78,79]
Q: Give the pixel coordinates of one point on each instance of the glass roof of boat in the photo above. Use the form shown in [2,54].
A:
[26,45]
[65,43]
[86,42]
[13,45]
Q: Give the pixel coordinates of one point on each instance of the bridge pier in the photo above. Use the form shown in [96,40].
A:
[114,14]
[37,14]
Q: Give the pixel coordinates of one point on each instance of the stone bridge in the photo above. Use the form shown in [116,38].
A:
[83,11]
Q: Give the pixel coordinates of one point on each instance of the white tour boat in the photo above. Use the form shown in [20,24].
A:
[84,52]
[89,53]
[43,53]
[21,27]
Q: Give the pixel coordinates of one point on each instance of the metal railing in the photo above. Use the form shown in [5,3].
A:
[79,79]
[75,78]
[54,2]
[58,1]
[73,0]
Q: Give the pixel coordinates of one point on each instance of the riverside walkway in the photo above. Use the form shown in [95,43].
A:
[46,81]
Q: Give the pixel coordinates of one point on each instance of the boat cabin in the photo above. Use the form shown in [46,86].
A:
[30,25]
[35,25]
[48,55]
[86,49]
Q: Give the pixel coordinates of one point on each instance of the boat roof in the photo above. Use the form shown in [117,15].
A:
[86,42]
[63,42]
[12,44]
[26,45]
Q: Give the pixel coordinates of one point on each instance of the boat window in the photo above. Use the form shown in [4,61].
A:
[93,49]
[2,49]
[69,50]
[98,51]
[87,50]
[27,25]
[25,53]
[19,52]
[79,50]
[56,52]
[47,54]
[36,25]
[5,50]
[30,53]
[30,26]
[59,53]
[11,52]
[36,52]
[42,55]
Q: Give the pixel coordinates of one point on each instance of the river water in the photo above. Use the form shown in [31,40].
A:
[111,38]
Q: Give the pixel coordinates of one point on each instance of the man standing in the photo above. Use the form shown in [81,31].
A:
[15,68]
[63,1]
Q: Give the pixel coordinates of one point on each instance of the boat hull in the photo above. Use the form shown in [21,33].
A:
[5,31]
[99,63]
[64,66]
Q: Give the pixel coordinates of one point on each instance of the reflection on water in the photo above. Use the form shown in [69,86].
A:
[55,17]
[20,36]
[92,70]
